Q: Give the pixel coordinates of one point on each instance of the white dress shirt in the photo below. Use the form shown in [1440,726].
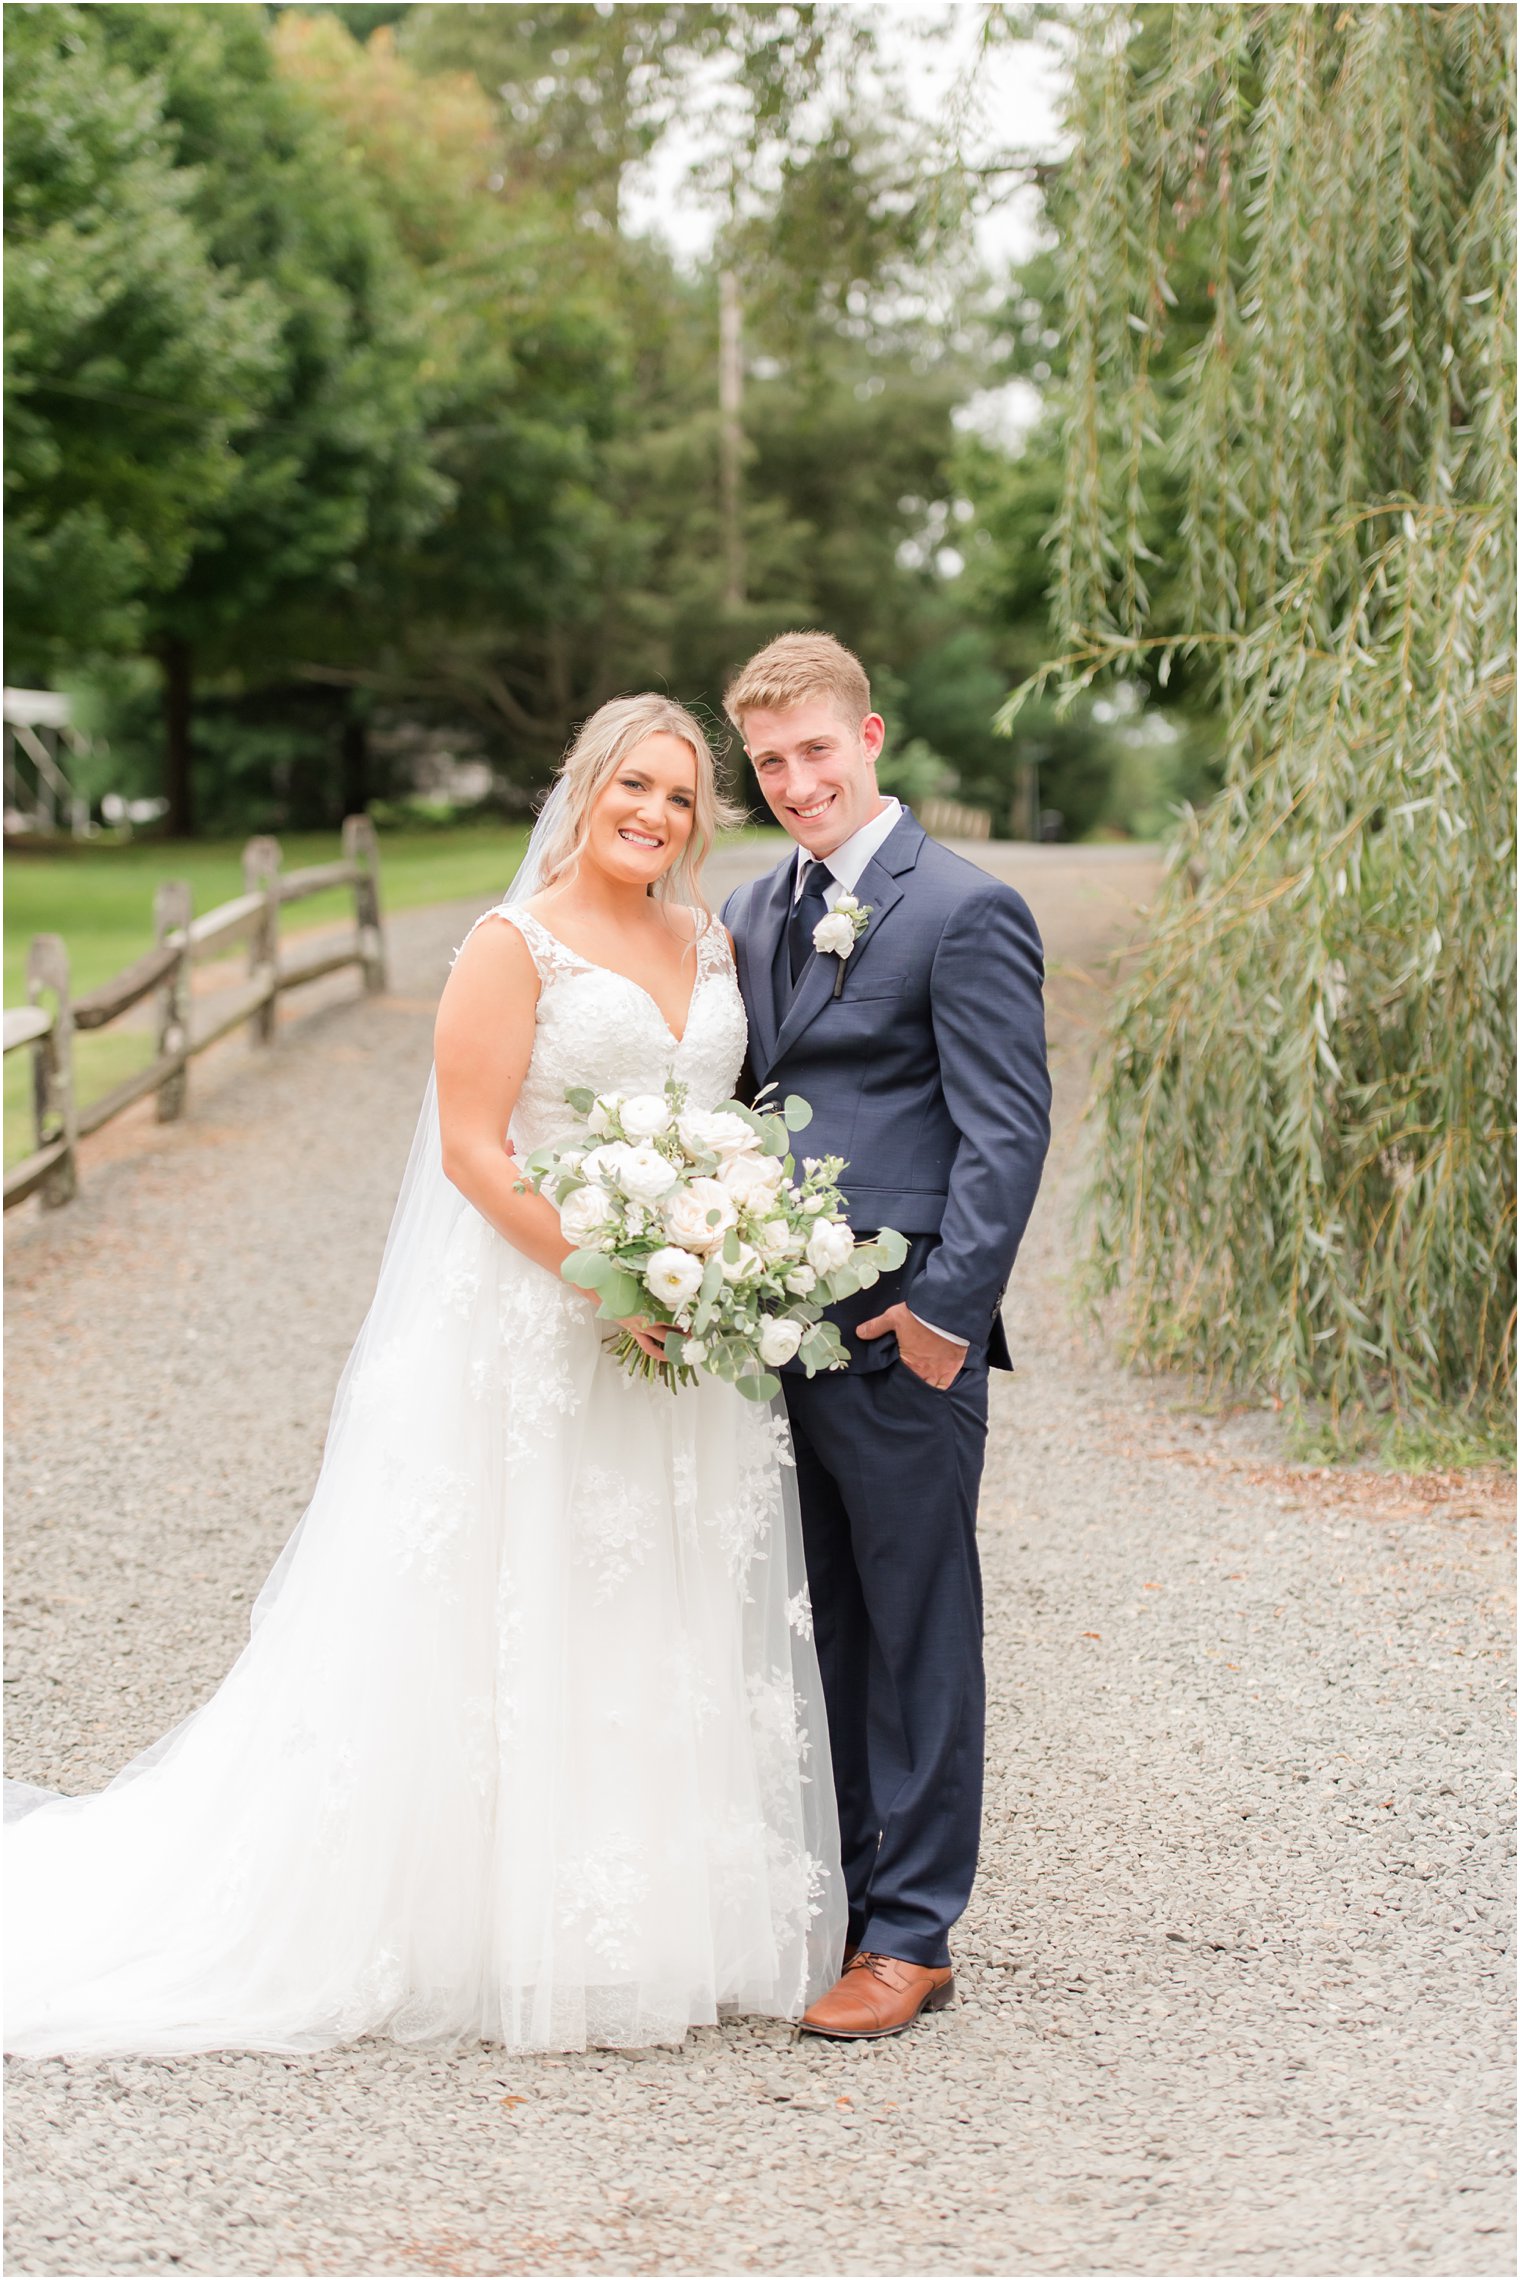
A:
[844,867]
[847,862]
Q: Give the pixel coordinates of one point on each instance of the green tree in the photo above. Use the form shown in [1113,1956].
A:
[135,361]
[580,418]
[584,92]
[1305,1161]
[337,469]
[527,374]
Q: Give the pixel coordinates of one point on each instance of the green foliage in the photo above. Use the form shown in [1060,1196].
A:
[135,360]
[338,465]
[340,379]
[1305,1163]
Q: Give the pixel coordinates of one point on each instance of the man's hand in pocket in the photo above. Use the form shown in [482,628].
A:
[935,1359]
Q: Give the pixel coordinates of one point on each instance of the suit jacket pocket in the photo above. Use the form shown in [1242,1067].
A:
[869,985]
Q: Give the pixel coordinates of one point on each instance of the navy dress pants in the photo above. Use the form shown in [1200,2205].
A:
[888,1472]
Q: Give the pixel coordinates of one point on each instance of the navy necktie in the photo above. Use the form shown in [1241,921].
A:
[810,906]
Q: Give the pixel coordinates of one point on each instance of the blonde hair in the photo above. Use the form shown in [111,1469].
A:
[596,753]
[793,668]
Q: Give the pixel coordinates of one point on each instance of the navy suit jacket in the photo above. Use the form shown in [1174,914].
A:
[927,1073]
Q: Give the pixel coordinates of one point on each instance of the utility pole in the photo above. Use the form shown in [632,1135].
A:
[730,437]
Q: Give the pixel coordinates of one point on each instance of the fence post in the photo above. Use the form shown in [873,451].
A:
[261,872]
[171,911]
[53,1111]
[362,848]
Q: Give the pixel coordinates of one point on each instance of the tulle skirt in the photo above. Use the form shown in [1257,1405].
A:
[527,1743]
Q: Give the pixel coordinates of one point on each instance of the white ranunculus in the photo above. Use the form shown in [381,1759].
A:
[745,1267]
[674,1276]
[834,933]
[603,1164]
[689,1214]
[646,1116]
[644,1175]
[779,1340]
[773,1238]
[800,1281]
[752,1181]
[586,1214]
[713,1131]
[830,1245]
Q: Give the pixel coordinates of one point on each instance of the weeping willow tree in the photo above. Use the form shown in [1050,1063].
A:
[1305,1150]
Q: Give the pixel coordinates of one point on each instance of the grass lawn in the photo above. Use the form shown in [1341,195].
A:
[100,899]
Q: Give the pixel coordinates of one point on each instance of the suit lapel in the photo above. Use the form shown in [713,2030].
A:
[770,907]
[877,886]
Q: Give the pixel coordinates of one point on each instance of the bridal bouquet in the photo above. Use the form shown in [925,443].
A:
[699,1218]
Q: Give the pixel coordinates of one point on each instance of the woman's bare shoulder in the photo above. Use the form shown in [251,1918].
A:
[495,953]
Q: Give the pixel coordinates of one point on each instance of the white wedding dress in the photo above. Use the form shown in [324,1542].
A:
[528,1740]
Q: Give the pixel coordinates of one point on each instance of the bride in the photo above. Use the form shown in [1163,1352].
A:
[528,1741]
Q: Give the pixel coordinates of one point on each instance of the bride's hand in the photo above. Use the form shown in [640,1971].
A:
[648,1336]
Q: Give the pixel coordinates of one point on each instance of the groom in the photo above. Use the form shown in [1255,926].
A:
[923,1055]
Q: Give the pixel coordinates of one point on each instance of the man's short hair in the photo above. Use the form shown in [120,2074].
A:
[794,668]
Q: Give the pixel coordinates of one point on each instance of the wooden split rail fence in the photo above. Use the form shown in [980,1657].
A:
[183,1029]
[952,819]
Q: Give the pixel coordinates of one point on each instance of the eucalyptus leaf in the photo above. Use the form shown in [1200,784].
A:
[589,1270]
[621,1296]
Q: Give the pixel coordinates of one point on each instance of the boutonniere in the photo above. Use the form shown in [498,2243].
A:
[838,931]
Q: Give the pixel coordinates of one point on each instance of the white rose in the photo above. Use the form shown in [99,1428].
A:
[779,1340]
[688,1215]
[645,1175]
[830,1245]
[646,1116]
[585,1214]
[713,1132]
[834,933]
[745,1267]
[773,1238]
[800,1281]
[602,1113]
[674,1276]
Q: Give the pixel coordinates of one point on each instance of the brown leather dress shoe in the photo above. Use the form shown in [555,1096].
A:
[878,1995]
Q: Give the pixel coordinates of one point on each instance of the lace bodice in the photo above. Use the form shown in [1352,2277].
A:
[600,1028]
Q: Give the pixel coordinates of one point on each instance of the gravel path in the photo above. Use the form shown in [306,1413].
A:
[1236,1975]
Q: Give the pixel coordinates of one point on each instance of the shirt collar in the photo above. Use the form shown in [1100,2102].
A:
[849,860]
